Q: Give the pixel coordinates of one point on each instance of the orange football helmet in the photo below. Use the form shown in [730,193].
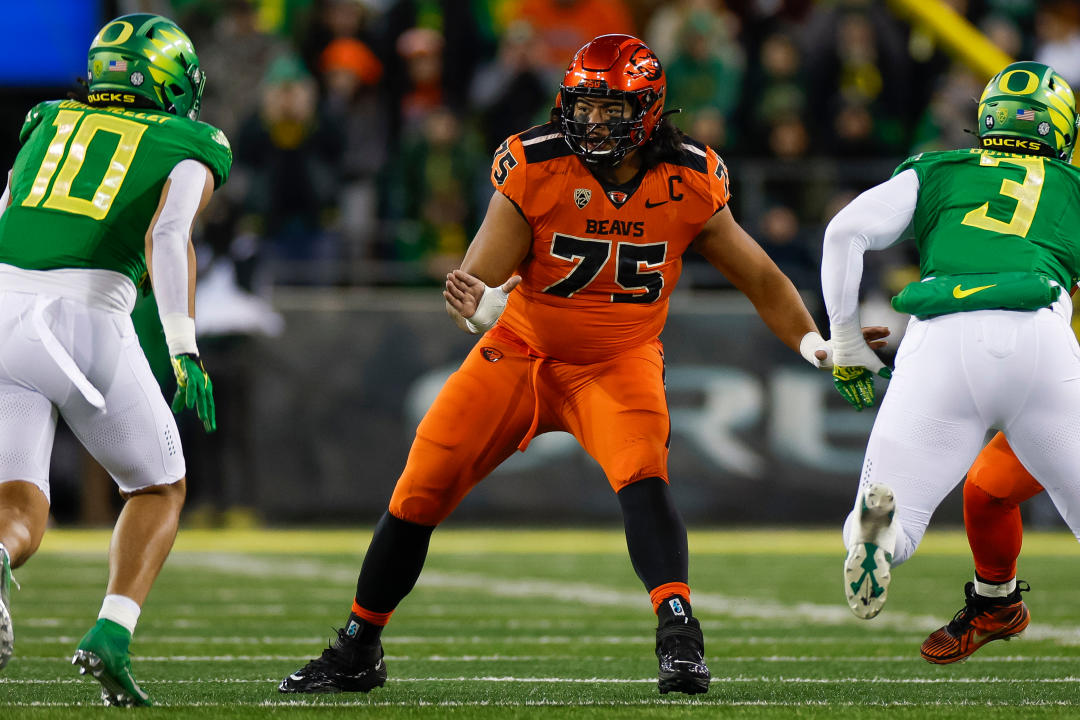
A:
[613,67]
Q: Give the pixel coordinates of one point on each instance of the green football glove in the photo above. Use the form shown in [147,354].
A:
[194,389]
[856,384]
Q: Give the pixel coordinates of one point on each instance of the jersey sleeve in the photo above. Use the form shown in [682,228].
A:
[719,183]
[912,163]
[213,150]
[33,118]
[508,171]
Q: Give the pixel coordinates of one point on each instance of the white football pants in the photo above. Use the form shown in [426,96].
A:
[957,377]
[59,355]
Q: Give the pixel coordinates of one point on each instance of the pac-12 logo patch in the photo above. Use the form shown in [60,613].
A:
[491,354]
[582,196]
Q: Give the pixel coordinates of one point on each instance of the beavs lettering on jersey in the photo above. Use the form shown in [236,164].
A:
[635,228]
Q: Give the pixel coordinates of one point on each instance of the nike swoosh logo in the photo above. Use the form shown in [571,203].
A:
[294,676]
[650,204]
[959,293]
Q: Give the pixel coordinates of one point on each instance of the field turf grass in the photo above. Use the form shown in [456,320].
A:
[544,624]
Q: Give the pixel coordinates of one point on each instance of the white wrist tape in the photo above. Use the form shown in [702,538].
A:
[179,334]
[810,344]
[851,350]
[488,310]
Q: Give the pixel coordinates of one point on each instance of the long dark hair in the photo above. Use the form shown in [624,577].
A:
[664,145]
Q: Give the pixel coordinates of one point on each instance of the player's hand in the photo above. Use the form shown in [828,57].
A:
[194,389]
[478,305]
[855,363]
[855,381]
[819,352]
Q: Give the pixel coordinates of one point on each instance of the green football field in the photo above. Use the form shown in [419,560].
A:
[545,624]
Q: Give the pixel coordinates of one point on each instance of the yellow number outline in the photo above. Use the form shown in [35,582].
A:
[59,198]
[1026,194]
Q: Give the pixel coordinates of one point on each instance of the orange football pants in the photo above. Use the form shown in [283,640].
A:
[503,395]
[996,485]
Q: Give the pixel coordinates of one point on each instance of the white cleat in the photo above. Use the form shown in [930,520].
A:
[867,566]
[7,632]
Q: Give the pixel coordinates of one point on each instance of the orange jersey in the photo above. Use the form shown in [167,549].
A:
[604,260]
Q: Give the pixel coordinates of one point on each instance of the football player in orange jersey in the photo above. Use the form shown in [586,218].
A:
[993,610]
[592,214]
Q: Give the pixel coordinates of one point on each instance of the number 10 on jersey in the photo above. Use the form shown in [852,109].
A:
[75,131]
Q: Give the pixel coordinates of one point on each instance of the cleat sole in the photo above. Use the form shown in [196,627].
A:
[688,686]
[112,693]
[867,575]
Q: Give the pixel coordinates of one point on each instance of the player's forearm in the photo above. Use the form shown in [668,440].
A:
[874,220]
[781,307]
[172,257]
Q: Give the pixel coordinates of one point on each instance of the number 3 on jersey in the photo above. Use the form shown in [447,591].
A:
[591,255]
[1025,193]
[66,154]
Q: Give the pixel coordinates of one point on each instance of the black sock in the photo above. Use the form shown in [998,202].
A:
[362,631]
[392,564]
[655,533]
[675,609]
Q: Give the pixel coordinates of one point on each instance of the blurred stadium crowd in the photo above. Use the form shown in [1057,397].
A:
[363,132]
[363,129]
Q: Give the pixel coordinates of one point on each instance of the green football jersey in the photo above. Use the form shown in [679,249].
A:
[982,211]
[87,181]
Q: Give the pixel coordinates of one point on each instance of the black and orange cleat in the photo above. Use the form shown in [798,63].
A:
[981,620]
[345,666]
[680,648]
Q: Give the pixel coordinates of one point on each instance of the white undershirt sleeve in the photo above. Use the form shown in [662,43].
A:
[874,220]
[169,259]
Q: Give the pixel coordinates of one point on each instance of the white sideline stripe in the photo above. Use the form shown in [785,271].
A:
[494,640]
[530,640]
[909,658]
[235,564]
[657,702]
[601,681]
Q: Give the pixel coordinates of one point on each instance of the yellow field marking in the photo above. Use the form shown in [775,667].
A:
[507,541]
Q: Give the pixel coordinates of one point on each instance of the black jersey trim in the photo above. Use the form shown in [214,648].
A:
[544,142]
[693,155]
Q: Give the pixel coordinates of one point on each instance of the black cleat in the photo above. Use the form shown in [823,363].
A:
[345,666]
[680,648]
